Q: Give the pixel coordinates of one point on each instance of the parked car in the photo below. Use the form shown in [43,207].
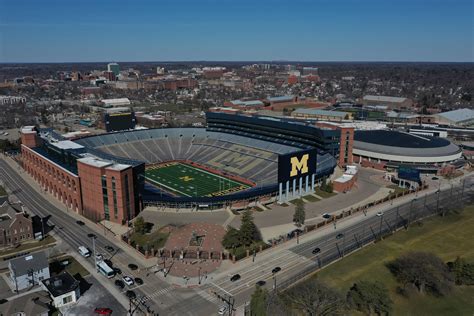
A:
[109,248]
[80,223]
[119,284]
[235,277]
[138,281]
[91,235]
[326,216]
[276,269]
[316,250]
[99,257]
[128,280]
[117,270]
[380,214]
[103,311]
[339,236]
[222,310]
[132,266]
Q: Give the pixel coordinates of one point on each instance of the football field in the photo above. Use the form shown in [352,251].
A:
[186,180]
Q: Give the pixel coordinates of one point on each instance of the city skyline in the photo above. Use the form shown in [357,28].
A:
[316,31]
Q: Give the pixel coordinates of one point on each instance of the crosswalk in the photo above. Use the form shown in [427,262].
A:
[208,296]
[158,293]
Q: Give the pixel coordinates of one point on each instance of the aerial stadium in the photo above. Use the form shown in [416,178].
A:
[236,160]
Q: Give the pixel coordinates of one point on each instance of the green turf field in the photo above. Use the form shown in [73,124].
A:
[186,180]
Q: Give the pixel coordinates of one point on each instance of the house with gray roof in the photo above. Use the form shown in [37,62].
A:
[392,103]
[31,304]
[28,271]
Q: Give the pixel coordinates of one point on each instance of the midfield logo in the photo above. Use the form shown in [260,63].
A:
[186,178]
[300,166]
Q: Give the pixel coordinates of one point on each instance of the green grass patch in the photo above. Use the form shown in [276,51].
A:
[74,267]
[186,180]
[311,198]
[2,191]
[258,209]
[36,245]
[446,237]
[155,240]
[324,194]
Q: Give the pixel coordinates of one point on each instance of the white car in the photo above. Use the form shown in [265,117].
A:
[99,257]
[222,310]
[380,214]
[128,280]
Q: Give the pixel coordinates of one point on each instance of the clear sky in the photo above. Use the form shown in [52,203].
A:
[298,30]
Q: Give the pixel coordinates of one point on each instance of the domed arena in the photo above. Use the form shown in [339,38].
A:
[385,148]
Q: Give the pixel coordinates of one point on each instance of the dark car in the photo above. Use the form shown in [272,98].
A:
[316,250]
[339,236]
[276,269]
[434,178]
[235,277]
[119,283]
[326,216]
[90,235]
[109,248]
[103,311]
[117,270]
[132,266]
[130,294]
[261,283]
[138,281]
[80,223]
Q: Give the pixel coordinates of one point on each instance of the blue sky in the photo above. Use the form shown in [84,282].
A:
[299,30]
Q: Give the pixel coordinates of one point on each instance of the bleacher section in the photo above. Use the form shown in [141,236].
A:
[252,159]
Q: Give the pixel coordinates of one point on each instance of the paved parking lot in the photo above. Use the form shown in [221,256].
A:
[95,295]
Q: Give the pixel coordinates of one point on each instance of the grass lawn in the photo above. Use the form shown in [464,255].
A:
[446,237]
[396,189]
[324,194]
[311,198]
[48,241]
[73,267]
[155,240]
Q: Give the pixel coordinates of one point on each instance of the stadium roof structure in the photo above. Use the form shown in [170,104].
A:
[381,98]
[247,103]
[458,116]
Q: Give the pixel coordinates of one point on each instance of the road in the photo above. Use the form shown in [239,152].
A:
[159,296]
[337,242]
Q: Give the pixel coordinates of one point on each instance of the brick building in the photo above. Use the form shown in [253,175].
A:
[15,225]
[92,186]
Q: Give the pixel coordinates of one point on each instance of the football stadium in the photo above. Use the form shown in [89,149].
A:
[235,161]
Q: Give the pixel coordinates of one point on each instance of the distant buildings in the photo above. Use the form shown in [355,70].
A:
[114,67]
[332,116]
[28,271]
[310,71]
[109,103]
[392,103]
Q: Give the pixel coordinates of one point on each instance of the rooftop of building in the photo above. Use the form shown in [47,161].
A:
[459,115]
[61,284]
[283,98]
[399,139]
[34,261]
[311,111]
[36,303]
[66,144]
[383,98]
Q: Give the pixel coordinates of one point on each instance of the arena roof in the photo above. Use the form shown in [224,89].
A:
[321,112]
[400,146]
